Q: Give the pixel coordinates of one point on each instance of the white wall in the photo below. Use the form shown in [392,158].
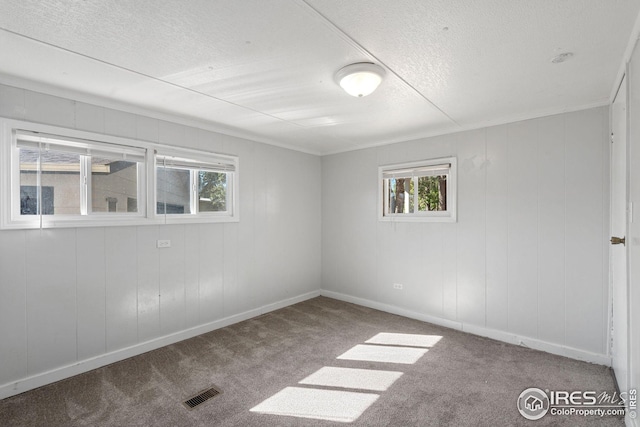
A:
[633,238]
[527,260]
[87,295]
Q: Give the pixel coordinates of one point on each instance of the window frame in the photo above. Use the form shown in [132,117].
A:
[85,149]
[10,217]
[199,161]
[450,215]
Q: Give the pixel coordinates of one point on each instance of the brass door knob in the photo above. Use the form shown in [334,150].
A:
[617,240]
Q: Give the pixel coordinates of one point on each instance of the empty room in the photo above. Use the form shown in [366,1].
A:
[319,213]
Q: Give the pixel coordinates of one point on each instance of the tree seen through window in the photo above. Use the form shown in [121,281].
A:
[432,194]
[212,191]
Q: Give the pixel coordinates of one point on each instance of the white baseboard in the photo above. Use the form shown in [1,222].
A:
[507,337]
[62,372]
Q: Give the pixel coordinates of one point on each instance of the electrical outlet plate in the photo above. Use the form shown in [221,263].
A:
[163,243]
[397,286]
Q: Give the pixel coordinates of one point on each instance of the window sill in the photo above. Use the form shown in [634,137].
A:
[417,219]
[112,222]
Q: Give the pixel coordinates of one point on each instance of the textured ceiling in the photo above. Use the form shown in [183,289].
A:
[264,69]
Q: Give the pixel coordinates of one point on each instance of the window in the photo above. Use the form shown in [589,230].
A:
[190,187]
[56,177]
[419,191]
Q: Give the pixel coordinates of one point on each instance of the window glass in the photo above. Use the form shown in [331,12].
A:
[49,182]
[174,190]
[432,193]
[212,191]
[29,184]
[401,195]
[61,171]
[114,184]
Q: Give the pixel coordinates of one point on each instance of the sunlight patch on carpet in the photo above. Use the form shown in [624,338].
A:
[331,405]
[378,353]
[365,379]
[412,340]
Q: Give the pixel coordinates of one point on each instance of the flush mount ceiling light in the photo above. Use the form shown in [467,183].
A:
[360,79]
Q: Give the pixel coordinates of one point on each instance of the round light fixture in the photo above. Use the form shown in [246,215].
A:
[360,79]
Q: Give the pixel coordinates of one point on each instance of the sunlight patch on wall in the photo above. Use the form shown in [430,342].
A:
[331,405]
[412,340]
[365,379]
[378,353]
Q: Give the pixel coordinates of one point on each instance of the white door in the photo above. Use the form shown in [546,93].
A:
[618,253]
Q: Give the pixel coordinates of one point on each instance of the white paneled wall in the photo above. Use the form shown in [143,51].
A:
[68,296]
[527,259]
[633,236]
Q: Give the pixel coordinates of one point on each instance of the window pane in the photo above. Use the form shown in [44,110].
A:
[114,185]
[432,193]
[59,181]
[28,182]
[212,191]
[173,191]
[411,194]
[400,195]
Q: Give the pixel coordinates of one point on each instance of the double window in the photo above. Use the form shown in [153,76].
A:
[419,191]
[54,177]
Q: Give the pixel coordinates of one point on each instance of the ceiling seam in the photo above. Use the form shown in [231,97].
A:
[345,36]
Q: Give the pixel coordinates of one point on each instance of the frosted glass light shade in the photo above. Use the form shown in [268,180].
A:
[360,79]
